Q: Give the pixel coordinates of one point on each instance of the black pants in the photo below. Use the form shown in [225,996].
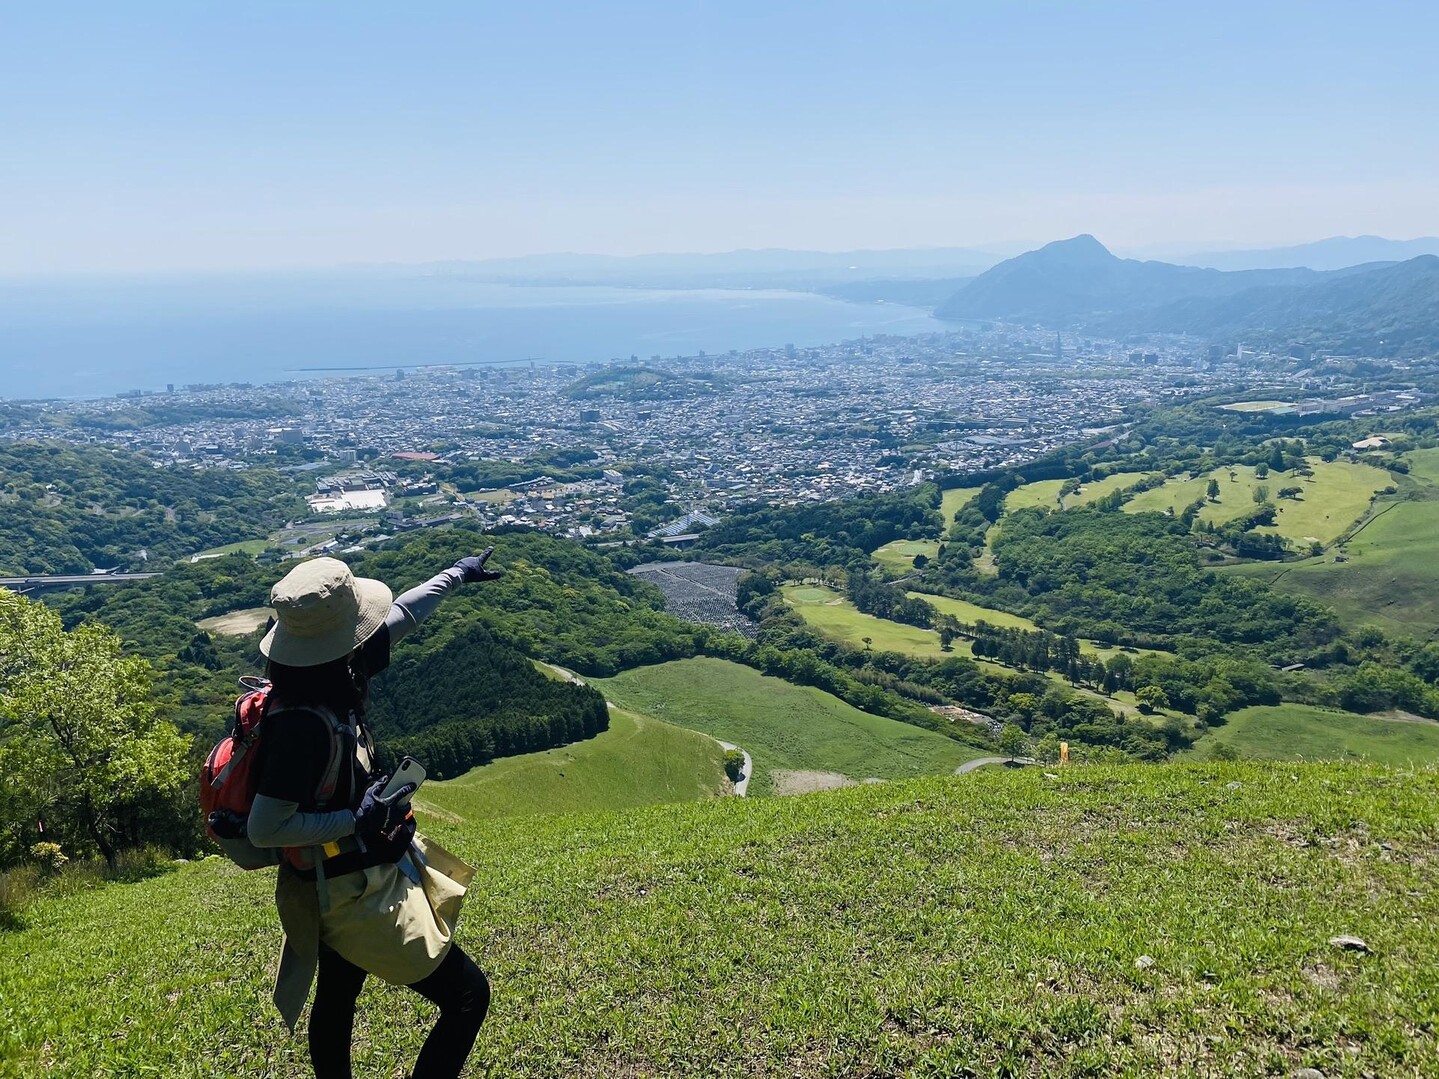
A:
[458,986]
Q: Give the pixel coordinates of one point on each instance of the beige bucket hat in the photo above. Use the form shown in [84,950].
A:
[323,612]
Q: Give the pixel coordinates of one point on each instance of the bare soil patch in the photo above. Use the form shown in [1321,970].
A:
[788,781]
[236,623]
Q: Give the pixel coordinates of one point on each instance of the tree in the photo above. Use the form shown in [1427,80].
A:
[1151,698]
[1261,494]
[76,720]
[1212,491]
[1012,741]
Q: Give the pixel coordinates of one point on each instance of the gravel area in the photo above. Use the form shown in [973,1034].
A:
[699,592]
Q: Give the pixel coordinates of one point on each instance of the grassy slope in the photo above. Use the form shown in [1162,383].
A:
[783,726]
[1044,494]
[1289,731]
[899,555]
[836,617]
[1391,577]
[638,761]
[952,501]
[978,925]
[1334,498]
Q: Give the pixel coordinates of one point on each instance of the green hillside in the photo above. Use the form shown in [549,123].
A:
[991,924]
[833,615]
[1388,575]
[1044,494]
[899,555]
[1332,500]
[1290,731]
[637,761]
[790,731]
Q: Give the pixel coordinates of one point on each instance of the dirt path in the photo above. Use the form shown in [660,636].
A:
[983,762]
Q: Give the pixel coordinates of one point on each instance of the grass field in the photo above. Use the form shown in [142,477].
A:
[1044,494]
[836,617]
[236,623]
[637,761]
[1390,577]
[1254,406]
[898,555]
[968,612]
[786,728]
[979,925]
[249,547]
[952,501]
[1334,498]
[1298,731]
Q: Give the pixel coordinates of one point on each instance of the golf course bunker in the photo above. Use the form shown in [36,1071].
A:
[787,781]
[236,623]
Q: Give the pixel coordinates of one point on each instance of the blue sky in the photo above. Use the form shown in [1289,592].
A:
[144,136]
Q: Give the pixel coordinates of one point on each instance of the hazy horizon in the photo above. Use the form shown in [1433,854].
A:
[166,137]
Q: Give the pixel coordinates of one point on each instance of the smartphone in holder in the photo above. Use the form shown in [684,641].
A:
[409,771]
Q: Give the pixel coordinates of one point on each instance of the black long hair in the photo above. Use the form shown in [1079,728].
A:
[338,684]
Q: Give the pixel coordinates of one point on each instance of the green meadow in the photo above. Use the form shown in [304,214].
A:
[835,616]
[1044,494]
[1333,499]
[899,555]
[637,761]
[1389,575]
[953,500]
[1298,731]
[1100,921]
[785,728]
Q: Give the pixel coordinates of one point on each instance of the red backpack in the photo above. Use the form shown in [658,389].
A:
[231,773]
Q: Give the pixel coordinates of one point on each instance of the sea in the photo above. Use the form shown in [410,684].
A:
[88,339]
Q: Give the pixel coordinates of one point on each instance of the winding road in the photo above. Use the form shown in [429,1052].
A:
[983,762]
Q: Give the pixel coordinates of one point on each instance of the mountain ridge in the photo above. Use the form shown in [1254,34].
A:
[1078,284]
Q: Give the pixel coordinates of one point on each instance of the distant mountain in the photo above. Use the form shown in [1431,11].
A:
[1078,284]
[1079,279]
[1335,253]
[1391,309]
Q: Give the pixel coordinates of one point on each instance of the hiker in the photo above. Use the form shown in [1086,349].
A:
[371,895]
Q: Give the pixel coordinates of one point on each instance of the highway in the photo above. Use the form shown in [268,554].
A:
[70,580]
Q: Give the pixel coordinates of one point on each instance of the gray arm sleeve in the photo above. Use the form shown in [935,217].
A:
[414,606]
[277,823]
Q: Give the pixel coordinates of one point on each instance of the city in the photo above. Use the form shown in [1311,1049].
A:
[558,447]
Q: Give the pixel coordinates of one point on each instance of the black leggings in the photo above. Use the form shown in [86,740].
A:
[458,986]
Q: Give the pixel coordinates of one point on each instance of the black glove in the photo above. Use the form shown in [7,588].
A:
[472,569]
[227,824]
[382,816]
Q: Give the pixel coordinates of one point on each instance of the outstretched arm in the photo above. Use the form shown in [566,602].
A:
[414,606]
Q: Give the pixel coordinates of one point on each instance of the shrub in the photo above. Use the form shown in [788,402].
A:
[49,857]
[734,765]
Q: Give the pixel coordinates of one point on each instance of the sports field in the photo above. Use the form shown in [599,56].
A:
[637,761]
[786,729]
[1299,731]
[1255,406]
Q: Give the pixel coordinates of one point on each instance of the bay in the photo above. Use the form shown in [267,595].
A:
[92,339]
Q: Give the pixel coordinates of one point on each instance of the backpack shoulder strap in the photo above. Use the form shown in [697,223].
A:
[341,731]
